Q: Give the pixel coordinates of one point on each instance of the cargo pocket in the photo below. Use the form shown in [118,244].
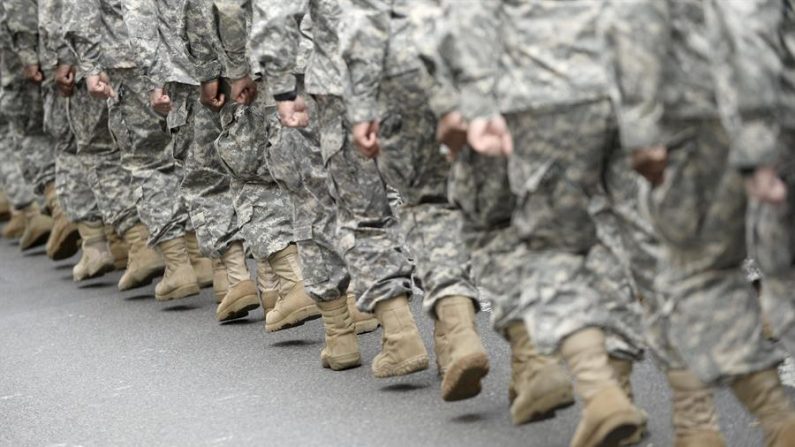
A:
[238,144]
[553,210]
[317,270]
[674,206]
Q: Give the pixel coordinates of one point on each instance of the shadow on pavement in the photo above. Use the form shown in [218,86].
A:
[403,387]
[95,285]
[180,308]
[294,343]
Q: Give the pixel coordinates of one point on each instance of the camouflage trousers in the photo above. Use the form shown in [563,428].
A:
[100,158]
[297,165]
[207,185]
[411,162]
[71,180]
[570,269]
[147,153]
[19,191]
[368,231]
[23,104]
[771,239]
[708,318]
[263,210]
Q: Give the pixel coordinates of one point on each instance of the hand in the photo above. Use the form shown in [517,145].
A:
[65,79]
[365,136]
[99,86]
[651,163]
[211,95]
[33,73]
[160,101]
[452,132]
[244,90]
[766,186]
[293,113]
[490,136]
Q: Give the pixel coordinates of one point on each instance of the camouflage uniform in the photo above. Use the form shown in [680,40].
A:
[23,100]
[142,135]
[97,152]
[389,83]
[263,212]
[707,319]
[770,131]
[566,269]
[71,177]
[367,229]
[296,163]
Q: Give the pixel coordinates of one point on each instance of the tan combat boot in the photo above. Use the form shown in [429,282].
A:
[268,285]
[118,248]
[241,297]
[464,361]
[179,280]
[402,350]
[202,265]
[294,306]
[695,418]
[608,416]
[764,397]
[37,228]
[540,385]
[363,322]
[15,226]
[342,347]
[96,259]
[623,373]
[63,240]
[5,207]
[143,262]
[220,281]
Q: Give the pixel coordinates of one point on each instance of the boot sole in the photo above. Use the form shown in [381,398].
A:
[615,430]
[296,318]
[342,362]
[364,327]
[404,368]
[179,293]
[238,309]
[462,378]
[36,242]
[107,268]
[67,248]
[544,407]
[145,281]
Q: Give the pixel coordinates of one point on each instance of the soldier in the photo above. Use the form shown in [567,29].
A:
[367,229]
[22,105]
[113,73]
[392,121]
[693,66]
[100,158]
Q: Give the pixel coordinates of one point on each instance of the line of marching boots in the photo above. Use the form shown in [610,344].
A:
[539,386]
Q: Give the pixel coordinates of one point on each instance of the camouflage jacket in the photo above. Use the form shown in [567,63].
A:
[705,59]
[100,37]
[278,45]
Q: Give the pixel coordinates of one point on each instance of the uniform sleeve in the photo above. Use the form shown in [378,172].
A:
[201,33]
[475,48]
[747,66]
[22,22]
[275,41]
[83,20]
[434,40]
[638,35]
[233,33]
[365,38]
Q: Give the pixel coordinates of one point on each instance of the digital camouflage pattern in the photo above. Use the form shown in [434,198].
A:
[389,84]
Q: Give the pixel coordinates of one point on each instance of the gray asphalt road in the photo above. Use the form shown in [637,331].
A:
[87,365]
